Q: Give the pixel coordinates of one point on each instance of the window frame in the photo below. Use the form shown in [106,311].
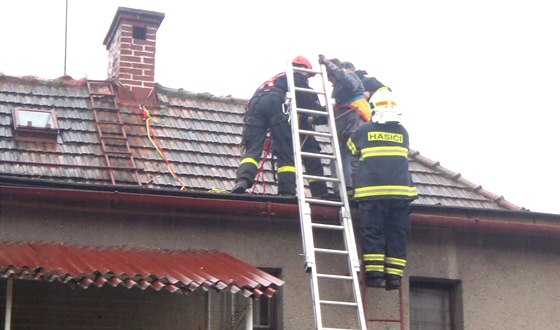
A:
[30,133]
[453,290]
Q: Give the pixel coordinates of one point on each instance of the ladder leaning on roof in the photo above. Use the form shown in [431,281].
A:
[329,278]
[116,151]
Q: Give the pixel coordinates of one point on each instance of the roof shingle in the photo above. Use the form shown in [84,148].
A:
[199,134]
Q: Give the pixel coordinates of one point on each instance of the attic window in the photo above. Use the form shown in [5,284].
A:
[139,32]
[35,125]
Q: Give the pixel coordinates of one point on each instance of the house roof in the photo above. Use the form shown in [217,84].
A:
[174,271]
[199,135]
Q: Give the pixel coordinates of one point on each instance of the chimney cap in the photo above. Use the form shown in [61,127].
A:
[139,15]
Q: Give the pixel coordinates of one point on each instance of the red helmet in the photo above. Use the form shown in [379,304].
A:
[302,61]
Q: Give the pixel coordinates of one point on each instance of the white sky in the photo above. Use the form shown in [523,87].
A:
[477,80]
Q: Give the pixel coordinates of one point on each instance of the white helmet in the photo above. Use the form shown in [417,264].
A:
[384,107]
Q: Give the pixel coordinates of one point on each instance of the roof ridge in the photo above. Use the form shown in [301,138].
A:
[200,96]
[64,80]
[457,177]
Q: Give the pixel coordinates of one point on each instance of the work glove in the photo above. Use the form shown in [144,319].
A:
[328,63]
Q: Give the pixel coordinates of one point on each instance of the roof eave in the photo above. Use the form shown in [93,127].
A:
[249,207]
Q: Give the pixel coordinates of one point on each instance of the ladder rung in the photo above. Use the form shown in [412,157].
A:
[324,202]
[312,112]
[94,94]
[106,137]
[382,320]
[115,153]
[320,178]
[336,277]
[338,303]
[105,109]
[326,226]
[309,90]
[331,251]
[302,69]
[325,134]
[316,155]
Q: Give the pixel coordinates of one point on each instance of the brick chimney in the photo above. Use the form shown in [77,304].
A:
[131,42]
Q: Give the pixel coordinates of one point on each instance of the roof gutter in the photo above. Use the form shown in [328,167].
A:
[228,206]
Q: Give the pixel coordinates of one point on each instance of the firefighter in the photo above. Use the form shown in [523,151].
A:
[371,84]
[351,110]
[265,112]
[384,191]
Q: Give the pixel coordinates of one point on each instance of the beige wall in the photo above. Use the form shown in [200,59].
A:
[508,282]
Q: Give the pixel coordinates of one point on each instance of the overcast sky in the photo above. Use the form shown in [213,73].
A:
[477,80]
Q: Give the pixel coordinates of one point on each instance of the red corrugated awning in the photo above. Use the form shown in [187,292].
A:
[175,271]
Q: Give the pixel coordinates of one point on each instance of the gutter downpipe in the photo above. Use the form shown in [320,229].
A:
[9,298]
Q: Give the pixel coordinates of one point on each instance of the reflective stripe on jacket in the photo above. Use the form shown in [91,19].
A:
[383,170]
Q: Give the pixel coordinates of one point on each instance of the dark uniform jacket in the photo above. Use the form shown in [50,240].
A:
[371,84]
[348,87]
[383,166]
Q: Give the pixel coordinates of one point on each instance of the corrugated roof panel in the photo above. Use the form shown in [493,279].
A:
[144,267]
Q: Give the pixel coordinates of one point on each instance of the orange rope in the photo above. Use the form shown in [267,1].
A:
[153,139]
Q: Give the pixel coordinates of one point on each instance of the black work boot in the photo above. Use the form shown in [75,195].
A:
[374,280]
[393,282]
[240,186]
[318,188]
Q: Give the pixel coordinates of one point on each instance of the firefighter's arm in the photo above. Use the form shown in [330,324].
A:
[353,149]
[328,63]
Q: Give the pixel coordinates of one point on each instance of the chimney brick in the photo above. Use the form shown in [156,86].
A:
[132,57]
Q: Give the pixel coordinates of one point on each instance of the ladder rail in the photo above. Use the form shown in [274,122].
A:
[307,225]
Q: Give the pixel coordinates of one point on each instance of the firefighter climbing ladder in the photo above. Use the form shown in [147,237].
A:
[114,142]
[331,303]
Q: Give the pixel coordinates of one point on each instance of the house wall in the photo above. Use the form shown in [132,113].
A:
[508,282]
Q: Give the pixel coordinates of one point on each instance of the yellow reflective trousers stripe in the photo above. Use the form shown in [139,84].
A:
[374,268]
[286,169]
[394,271]
[250,160]
[395,261]
[373,257]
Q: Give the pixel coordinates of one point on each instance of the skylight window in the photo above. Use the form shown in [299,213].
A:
[35,125]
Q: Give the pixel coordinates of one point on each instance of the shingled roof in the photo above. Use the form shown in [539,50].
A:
[199,136]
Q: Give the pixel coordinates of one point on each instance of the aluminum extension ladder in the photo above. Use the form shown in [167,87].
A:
[332,262]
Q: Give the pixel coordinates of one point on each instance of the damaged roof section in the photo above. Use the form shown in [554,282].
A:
[174,271]
[199,137]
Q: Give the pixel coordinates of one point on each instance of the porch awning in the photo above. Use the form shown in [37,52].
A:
[180,271]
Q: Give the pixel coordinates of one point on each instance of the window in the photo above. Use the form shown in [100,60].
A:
[35,125]
[226,310]
[435,304]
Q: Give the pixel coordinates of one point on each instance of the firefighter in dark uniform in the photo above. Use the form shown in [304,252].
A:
[265,112]
[384,191]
